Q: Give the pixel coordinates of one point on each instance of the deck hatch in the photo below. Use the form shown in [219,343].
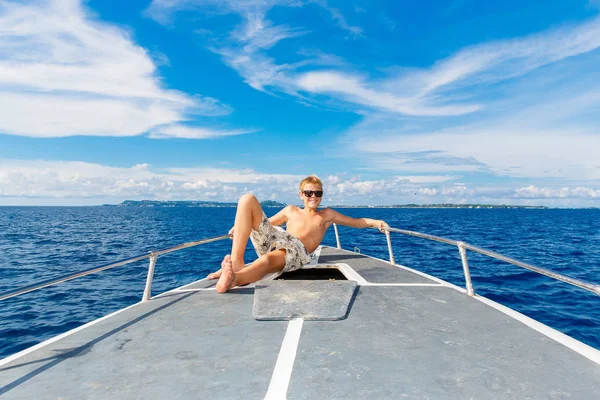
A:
[312,274]
[311,300]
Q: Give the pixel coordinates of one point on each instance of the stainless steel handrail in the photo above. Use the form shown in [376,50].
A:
[575,282]
[425,236]
[152,255]
[462,247]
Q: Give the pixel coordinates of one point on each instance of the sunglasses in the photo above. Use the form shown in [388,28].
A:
[309,193]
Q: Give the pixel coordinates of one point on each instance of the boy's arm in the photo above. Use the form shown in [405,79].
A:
[281,217]
[342,219]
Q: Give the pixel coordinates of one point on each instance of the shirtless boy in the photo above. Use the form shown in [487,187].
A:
[280,250]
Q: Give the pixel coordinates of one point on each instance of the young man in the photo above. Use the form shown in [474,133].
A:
[278,249]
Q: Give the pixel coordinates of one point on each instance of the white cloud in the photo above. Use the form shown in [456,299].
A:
[542,130]
[433,91]
[243,176]
[244,48]
[354,90]
[541,123]
[535,192]
[510,58]
[455,191]
[526,153]
[68,182]
[62,73]
[253,11]
[426,178]
[187,132]
[80,180]
[450,87]
[339,18]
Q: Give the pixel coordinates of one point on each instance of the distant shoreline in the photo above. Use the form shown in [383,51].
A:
[276,204]
[405,206]
[270,203]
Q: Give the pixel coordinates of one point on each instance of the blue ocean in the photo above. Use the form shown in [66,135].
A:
[38,243]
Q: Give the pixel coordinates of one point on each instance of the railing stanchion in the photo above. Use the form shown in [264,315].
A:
[148,288]
[389,243]
[337,236]
[465,264]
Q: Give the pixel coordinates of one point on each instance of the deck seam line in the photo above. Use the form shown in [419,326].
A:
[282,372]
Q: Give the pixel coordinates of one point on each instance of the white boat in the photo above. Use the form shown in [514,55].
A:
[347,326]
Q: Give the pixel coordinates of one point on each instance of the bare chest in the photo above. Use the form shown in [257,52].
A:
[301,221]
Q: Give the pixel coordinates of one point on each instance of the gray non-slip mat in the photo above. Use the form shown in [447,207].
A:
[310,300]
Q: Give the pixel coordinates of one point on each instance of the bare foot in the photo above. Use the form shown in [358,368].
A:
[227,278]
[214,275]
[217,274]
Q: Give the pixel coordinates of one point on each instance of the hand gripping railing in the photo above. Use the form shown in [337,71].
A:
[152,255]
[462,249]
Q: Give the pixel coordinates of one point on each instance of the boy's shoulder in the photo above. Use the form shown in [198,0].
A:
[327,212]
[292,209]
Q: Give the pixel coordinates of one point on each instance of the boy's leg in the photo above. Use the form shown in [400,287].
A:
[247,217]
[273,261]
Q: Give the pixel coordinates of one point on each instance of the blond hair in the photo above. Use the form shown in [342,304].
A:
[311,179]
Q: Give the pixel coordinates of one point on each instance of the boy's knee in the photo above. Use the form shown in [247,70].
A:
[276,259]
[247,198]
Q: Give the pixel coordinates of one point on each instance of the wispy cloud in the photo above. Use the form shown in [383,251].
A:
[354,90]
[339,18]
[545,126]
[244,47]
[63,72]
[522,153]
[187,132]
[495,61]
[434,91]
[452,86]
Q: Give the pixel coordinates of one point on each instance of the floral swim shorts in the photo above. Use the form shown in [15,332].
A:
[269,238]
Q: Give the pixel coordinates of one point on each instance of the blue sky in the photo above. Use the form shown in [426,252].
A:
[388,102]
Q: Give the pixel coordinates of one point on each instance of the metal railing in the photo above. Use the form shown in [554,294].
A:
[152,255]
[462,249]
